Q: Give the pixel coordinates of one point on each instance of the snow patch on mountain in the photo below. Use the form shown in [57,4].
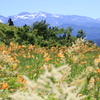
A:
[1,21]
[41,14]
[56,16]
[22,17]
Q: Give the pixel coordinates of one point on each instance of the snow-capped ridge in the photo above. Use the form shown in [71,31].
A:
[53,19]
[26,15]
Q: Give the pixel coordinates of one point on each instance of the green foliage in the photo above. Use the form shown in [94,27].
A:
[81,34]
[39,33]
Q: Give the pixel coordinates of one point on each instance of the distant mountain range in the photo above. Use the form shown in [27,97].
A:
[89,25]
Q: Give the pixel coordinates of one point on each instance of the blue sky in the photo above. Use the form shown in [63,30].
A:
[89,8]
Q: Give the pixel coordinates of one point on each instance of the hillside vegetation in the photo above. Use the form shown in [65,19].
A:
[40,33]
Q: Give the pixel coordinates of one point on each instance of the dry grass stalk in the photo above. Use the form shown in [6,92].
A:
[48,84]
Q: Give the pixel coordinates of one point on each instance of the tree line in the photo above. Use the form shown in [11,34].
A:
[39,33]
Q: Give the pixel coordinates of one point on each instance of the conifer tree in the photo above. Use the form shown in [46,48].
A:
[81,34]
[10,22]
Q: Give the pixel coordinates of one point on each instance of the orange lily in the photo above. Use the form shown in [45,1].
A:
[4,86]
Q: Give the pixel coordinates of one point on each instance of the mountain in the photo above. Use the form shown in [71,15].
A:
[53,19]
[89,25]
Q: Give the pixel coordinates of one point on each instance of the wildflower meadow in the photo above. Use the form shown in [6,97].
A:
[31,72]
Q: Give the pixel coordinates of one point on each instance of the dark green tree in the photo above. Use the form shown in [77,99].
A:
[27,28]
[67,37]
[42,28]
[10,22]
[69,31]
[22,36]
[81,34]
